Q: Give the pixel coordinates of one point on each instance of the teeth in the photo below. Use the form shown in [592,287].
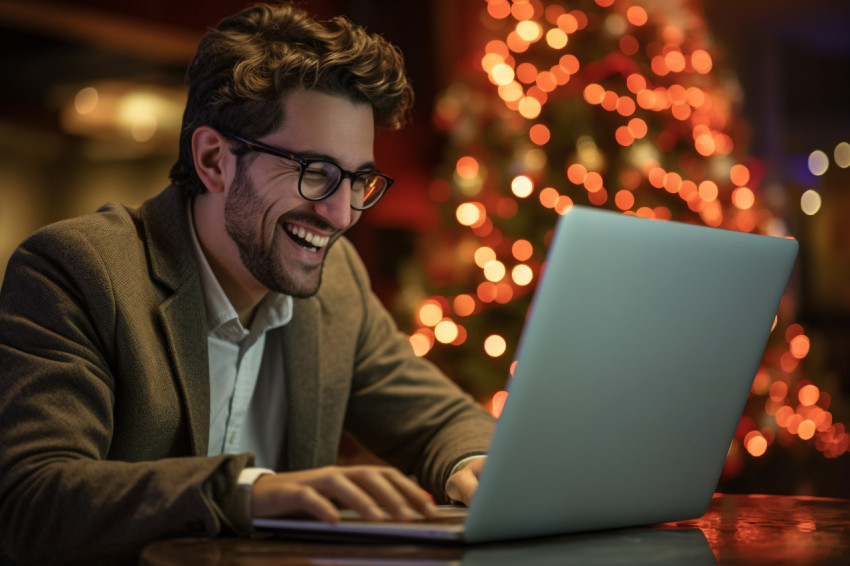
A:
[313,239]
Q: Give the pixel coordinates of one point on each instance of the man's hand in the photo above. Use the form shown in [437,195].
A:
[373,491]
[462,484]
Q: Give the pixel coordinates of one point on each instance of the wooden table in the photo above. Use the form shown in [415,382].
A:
[736,530]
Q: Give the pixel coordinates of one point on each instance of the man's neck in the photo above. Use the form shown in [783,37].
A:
[244,298]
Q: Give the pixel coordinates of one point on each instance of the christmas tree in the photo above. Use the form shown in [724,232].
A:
[610,103]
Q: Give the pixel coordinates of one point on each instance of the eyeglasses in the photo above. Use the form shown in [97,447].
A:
[320,179]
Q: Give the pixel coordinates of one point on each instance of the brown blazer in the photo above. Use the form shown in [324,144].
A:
[104,388]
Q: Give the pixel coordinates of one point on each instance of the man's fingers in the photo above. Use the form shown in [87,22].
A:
[365,489]
[395,493]
[272,497]
[339,487]
[463,484]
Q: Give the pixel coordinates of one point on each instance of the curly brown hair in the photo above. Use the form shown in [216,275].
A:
[252,59]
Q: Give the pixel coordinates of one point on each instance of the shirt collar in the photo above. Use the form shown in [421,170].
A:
[274,310]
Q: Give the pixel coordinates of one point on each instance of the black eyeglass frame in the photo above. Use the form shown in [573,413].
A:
[305,162]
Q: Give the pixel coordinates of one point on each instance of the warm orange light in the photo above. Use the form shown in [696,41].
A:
[675,61]
[743,198]
[624,199]
[594,93]
[626,106]
[624,136]
[495,346]
[570,64]
[757,445]
[516,43]
[522,186]
[593,181]
[464,305]
[799,346]
[783,415]
[788,362]
[659,66]
[681,111]
[806,429]
[497,47]
[446,331]
[672,182]
[486,292]
[529,107]
[701,61]
[739,175]
[499,9]
[568,23]
[610,100]
[430,313]
[599,197]
[778,390]
[548,197]
[421,341]
[576,173]
[504,293]
[467,167]
[793,330]
[497,403]
[522,250]
[761,383]
[526,73]
[637,16]
[656,177]
[494,271]
[629,45]
[808,395]
[522,275]
[635,83]
[708,190]
[502,74]
[490,60]
[704,144]
[638,127]
[483,255]
[547,81]
[556,38]
[646,99]
[563,204]
[469,213]
[529,30]
[522,10]
[539,134]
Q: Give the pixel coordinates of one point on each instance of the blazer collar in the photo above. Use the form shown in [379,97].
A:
[167,234]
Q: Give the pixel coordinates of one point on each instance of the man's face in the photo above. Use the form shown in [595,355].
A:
[282,238]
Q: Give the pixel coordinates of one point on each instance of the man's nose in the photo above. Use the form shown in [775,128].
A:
[336,209]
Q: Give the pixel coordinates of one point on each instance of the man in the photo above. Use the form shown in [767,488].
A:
[176,369]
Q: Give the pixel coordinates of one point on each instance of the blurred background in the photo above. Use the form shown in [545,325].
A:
[729,113]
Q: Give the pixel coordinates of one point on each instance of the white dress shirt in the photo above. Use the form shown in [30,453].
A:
[247,386]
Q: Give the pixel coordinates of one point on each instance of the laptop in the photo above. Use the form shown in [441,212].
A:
[633,367]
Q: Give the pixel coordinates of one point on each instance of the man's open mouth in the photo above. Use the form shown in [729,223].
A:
[306,239]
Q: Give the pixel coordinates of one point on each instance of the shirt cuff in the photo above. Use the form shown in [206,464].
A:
[245,485]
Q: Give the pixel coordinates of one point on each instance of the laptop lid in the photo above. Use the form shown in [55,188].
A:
[633,368]
[632,372]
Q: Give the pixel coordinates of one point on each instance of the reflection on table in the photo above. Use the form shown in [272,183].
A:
[736,530]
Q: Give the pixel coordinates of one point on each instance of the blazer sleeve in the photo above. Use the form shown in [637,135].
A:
[72,489]
[402,406]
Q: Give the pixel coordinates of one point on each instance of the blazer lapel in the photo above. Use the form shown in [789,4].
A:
[173,263]
[303,392]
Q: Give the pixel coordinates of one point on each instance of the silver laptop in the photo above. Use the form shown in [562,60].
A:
[633,369]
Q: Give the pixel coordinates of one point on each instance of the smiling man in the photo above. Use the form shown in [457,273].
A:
[180,368]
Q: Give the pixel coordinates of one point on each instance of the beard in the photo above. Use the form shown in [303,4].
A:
[243,210]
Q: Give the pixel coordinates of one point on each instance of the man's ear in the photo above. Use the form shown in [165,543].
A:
[213,160]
